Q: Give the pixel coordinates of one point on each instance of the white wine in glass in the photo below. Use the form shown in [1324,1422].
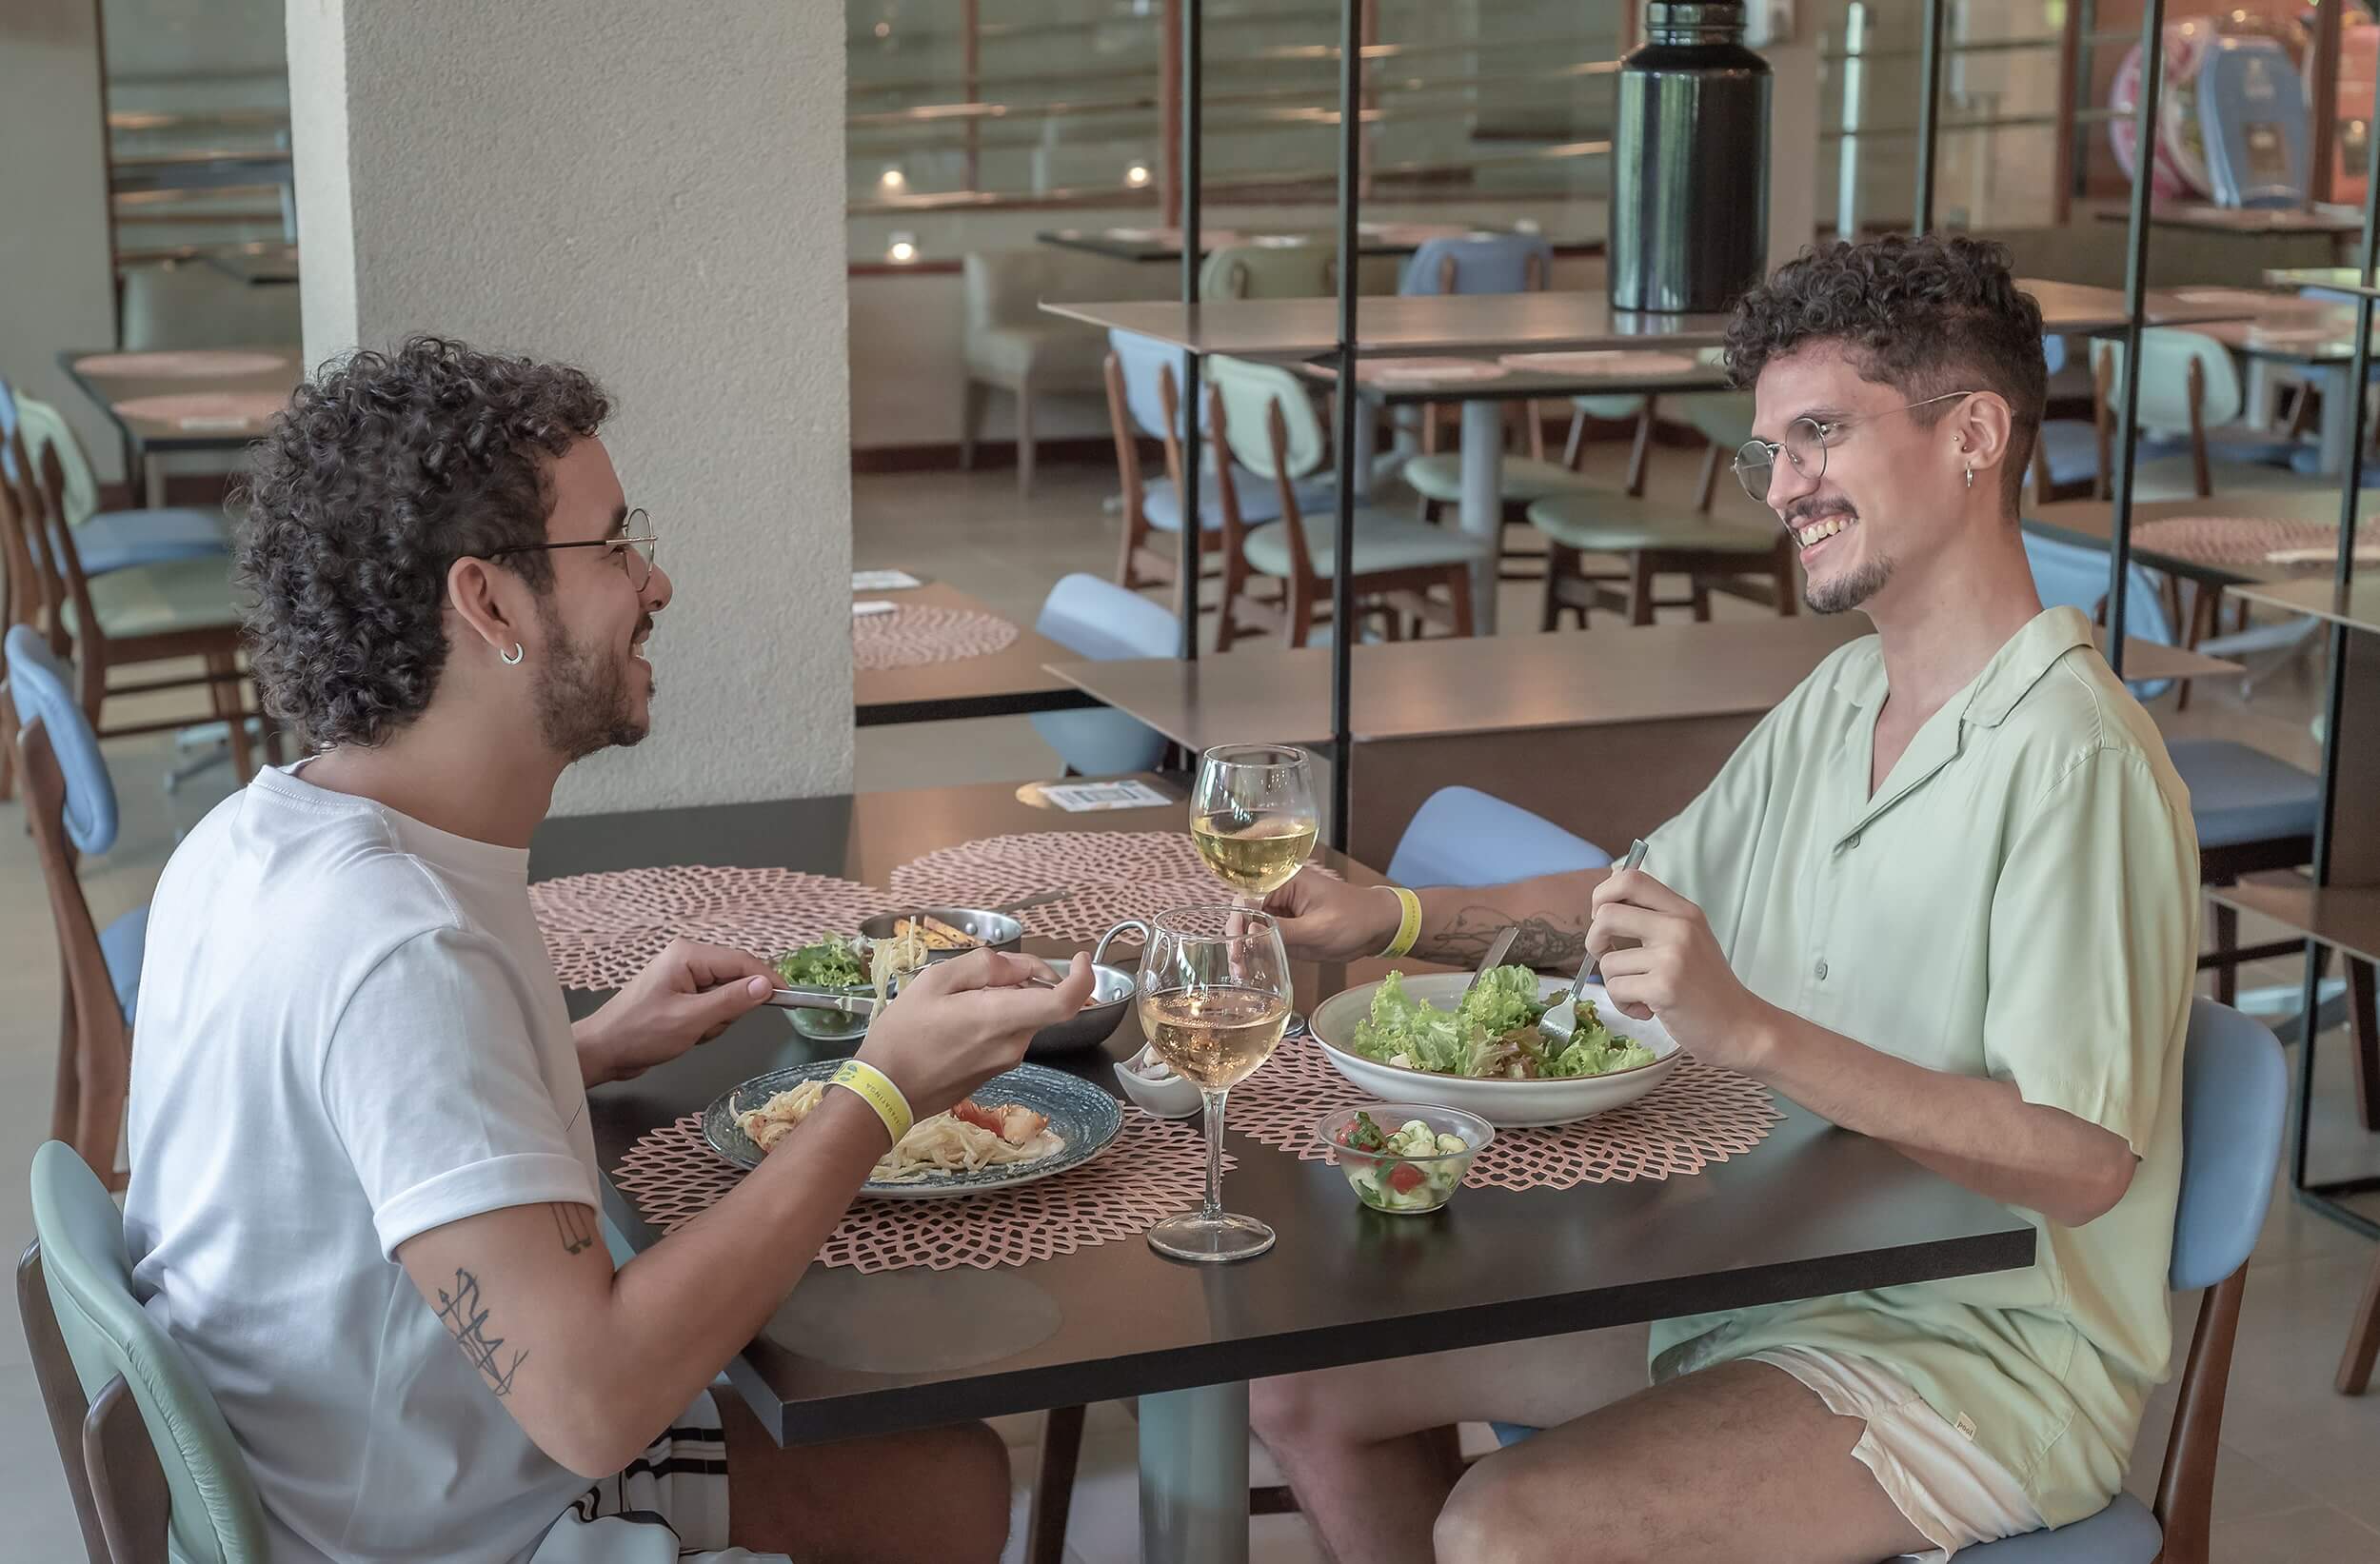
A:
[1253,815]
[1214,994]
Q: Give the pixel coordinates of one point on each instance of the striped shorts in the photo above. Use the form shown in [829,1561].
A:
[667,1505]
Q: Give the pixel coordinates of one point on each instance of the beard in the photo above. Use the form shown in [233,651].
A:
[582,695]
[1846,592]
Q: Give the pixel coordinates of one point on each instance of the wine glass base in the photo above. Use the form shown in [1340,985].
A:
[1192,1237]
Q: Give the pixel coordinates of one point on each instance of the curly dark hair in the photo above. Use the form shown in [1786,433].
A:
[1925,316]
[384,469]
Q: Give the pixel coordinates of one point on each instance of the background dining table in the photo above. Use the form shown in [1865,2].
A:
[1811,1210]
[1007,682]
[110,388]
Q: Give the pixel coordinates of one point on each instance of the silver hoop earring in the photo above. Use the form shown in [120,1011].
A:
[1971,477]
[512,658]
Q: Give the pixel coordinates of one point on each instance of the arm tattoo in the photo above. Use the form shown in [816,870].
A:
[577,1231]
[1546,940]
[468,1319]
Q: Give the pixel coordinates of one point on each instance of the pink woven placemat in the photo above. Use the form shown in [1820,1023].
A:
[1613,361]
[182,364]
[2243,540]
[602,929]
[1113,875]
[206,409]
[1153,1170]
[1701,1115]
[911,637]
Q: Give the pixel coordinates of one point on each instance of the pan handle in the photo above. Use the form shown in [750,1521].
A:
[1137,926]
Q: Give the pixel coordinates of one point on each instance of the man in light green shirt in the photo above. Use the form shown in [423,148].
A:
[1945,895]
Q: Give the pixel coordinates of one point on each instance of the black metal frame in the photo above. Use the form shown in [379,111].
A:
[1193,524]
[1342,574]
[1929,100]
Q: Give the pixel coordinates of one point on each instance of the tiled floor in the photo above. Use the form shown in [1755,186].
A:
[2297,1481]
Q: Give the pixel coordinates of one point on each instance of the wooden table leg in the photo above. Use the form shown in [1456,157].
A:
[2363,1339]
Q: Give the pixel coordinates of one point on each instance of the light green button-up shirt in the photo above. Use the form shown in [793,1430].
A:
[2020,901]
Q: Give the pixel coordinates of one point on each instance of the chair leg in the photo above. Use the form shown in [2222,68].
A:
[2226,941]
[2363,1035]
[1549,605]
[1640,588]
[978,397]
[2363,1339]
[224,692]
[1458,585]
[1024,440]
[66,1098]
[8,745]
[1053,1486]
[1576,440]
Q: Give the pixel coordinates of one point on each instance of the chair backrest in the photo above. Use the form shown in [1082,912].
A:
[2166,355]
[1291,266]
[1145,363]
[2070,575]
[1464,836]
[1103,622]
[217,1517]
[1249,392]
[2235,1094]
[42,691]
[189,304]
[46,428]
[1479,263]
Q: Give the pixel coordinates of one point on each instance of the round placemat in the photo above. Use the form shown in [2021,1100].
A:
[2235,298]
[182,364]
[1614,362]
[1429,368]
[911,637]
[1701,1115]
[600,929]
[2243,540]
[1110,876]
[1153,1170]
[206,409]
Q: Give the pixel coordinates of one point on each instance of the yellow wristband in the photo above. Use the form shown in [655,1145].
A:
[875,1088]
[1408,926]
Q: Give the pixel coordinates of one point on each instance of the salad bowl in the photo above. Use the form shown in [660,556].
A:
[1506,1104]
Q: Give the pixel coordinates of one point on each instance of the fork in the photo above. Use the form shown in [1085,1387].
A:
[1587,965]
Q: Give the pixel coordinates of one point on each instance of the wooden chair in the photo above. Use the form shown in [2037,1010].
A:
[175,610]
[70,809]
[1754,562]
[1399,561]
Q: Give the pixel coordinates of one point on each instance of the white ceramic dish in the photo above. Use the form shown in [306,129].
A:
[1506,1104]
[1176,1097]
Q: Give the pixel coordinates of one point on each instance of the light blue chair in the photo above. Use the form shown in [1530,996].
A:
[1104,622]
[70,809]
[2072,575]
[2234,1092]
[1463,837]
[1479,263]
[153,1446]
[106,541]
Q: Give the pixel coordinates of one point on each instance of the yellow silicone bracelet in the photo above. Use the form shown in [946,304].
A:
[1408,926]
[875,1088]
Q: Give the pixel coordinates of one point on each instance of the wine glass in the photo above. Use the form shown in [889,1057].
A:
[1213,992]
[1252,817]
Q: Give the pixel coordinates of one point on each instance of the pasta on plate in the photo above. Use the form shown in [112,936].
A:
[963,1140]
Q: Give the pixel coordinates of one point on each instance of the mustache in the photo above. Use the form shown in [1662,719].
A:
[1814,508]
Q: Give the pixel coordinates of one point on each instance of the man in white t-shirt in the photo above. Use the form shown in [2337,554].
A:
[358,1121]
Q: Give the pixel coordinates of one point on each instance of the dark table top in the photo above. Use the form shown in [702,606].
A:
[1813,1210]
[1007,682]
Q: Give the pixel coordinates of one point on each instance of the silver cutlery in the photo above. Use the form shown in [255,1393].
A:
[1588,966]
[1495,958]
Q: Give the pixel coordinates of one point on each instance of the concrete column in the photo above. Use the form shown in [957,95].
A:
[57,290]
[1793,148]
[654,193]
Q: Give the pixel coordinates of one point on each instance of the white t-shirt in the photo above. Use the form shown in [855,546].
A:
[348,1033]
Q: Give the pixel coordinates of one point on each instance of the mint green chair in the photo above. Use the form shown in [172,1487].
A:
[152,1466]
[1261,416]
[1286,267]
[113,540]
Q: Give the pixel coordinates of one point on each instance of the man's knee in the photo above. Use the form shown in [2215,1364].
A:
[1497,1515]
[1292,1411]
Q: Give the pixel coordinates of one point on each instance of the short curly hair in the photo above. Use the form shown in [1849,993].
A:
[1926,316]
[384,470]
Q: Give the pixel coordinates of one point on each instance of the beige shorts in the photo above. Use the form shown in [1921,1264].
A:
[1953,1493]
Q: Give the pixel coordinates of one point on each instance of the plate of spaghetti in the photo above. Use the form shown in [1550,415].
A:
[1021,1126]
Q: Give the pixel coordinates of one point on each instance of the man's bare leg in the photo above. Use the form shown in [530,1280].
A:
[1354,1442]
[859,1502]
[1738,1461]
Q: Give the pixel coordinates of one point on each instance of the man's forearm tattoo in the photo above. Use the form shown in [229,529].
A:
[1546,939]
[464,1316]
[576,1224]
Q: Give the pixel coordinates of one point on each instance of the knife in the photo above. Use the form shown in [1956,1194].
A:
[801,998]
[1495,958]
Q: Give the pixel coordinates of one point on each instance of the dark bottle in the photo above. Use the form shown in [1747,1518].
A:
[1689,162]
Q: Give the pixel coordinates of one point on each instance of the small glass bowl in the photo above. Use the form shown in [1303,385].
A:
[832,1027]
[1406,1185]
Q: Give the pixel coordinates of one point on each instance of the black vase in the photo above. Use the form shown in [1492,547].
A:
[1689,163]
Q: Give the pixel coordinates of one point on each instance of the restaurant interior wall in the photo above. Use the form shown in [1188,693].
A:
[614,193]
[55,285]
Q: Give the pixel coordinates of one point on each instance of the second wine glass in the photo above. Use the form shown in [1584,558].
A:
[1253,816]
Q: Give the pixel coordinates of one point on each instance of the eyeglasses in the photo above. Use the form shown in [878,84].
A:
[1805,445]
[634,549]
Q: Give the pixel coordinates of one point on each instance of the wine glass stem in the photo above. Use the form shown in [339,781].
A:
[1213,1208]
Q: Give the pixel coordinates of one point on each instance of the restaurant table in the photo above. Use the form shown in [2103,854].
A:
[2091,523]
[1608,732]
[1007,682]
[2343,280]
[1811,1211]
[259,265]
[142,436]
[1164,244]
[2315,340]
[1481,509]
[2206,217]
